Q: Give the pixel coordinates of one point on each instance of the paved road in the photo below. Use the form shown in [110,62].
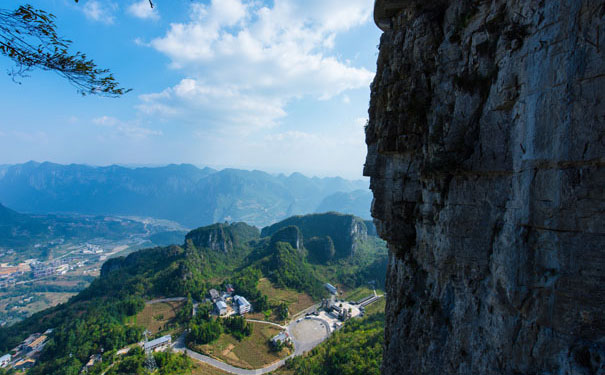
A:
[160,300]
[300,347]
[265,322]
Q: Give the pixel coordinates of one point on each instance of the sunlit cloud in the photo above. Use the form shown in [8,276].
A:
[142,9]
[245,61]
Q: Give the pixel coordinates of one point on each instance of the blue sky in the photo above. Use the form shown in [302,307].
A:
[280,86]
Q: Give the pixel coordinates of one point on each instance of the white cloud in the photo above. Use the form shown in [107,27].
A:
[142,9]
[245,61]
[129,129]
[100,11]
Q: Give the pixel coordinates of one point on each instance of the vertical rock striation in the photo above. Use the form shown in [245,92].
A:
[486,152]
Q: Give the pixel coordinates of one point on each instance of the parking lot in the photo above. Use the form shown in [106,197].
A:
[308,332]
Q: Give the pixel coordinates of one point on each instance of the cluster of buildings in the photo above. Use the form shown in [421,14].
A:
[9,273]
[82,254]
[226,304]
[339,311]
[45,269]
[26,353]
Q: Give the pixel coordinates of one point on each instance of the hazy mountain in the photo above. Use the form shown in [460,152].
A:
[356,202]
[182,193]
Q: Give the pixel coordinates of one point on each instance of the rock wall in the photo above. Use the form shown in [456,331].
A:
[486,152]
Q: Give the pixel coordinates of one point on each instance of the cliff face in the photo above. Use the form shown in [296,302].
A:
[486,147]
[343,230]
[222,237]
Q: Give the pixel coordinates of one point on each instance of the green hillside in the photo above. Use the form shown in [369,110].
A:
[101,316]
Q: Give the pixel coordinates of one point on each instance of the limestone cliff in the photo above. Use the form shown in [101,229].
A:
[486,152]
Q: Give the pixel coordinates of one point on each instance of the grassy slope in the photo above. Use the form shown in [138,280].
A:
[251,352]
[296,301]
[156,317]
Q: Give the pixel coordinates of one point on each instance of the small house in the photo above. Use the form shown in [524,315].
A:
[331,288]
[229,289]
[24,364]
[243,306]
[38,343]
[158,343]
[214,294]
[5,360]
[220,308]
[282,338]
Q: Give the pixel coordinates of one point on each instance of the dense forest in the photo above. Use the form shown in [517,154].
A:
[96,320]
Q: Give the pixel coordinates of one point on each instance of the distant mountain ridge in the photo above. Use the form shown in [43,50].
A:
[183,193]
[355,203]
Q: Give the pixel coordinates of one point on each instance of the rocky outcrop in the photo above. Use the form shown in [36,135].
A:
[486,152]
[345,231]
[290,234]
[222,237]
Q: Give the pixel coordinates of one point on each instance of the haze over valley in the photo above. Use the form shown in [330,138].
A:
[181,193]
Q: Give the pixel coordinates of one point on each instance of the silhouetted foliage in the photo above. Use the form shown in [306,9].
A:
[28,36]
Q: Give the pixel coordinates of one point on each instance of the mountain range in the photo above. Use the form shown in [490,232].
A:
[183,193]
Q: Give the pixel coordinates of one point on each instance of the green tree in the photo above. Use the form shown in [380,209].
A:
[282,311]
[204,333]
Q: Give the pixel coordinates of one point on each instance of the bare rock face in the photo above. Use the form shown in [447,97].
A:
[486,152]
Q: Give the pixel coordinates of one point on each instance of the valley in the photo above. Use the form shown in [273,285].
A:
[176,292]
[46,259]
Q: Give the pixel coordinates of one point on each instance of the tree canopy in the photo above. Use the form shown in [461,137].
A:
[29,37]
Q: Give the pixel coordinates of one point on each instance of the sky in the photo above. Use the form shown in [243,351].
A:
[280,86]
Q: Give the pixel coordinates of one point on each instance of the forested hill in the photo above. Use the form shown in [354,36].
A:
[333,231]
[211,256]
[182,193]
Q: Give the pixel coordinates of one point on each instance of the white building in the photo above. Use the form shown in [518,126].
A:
[5,360]
[331,288]
[161,342]
[221,308]
[282,337]
[243,306]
